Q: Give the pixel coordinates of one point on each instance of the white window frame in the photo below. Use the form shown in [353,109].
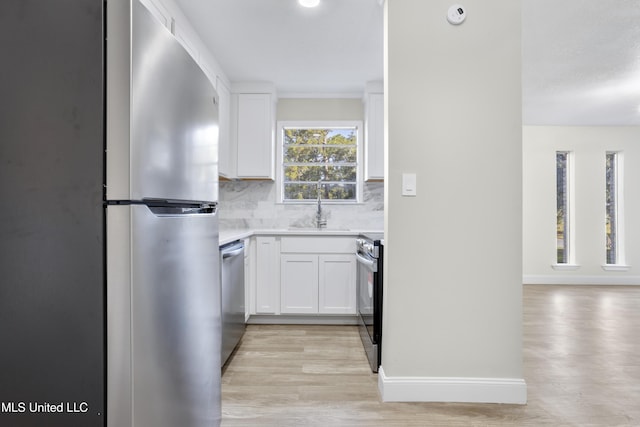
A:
[357,124]
[570,264]
[620,264]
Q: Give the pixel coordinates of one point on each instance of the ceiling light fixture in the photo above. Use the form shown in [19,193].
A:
[309,3]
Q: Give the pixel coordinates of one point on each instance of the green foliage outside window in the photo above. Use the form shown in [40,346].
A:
[611,208]
[325,155]
[562,205]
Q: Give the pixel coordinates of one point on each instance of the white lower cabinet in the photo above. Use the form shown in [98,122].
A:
[304,275]
[267,276]
[298,283]
[317,275]
[337,284]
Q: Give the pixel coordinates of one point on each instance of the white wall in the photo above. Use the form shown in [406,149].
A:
[320,109]
[589,145]
[453,267]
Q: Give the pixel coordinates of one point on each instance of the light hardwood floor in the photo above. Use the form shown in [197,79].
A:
[581,363]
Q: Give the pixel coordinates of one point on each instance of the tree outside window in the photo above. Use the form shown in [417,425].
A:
[611,178]
[562,207]
[320,162]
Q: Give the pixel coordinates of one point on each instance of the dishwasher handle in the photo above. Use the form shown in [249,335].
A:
[371,265]
[231,254]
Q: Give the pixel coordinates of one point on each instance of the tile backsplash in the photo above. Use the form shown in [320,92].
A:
[252,205]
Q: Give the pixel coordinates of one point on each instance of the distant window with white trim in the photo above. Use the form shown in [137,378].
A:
[614,224]
[563,226]
[319,159]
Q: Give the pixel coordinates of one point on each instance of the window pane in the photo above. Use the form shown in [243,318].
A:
[304,136]
[340,154]
[341,137]
[340,173]
[302,173]
[342,191]
[319,154]
[324,154]
[611,208]
[317,173]
[320,136]
[562,214]
[309,191]
[296,191]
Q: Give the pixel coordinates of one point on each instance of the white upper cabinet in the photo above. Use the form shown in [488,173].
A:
[252,131]
[255,139]
[374,132]
[224,139]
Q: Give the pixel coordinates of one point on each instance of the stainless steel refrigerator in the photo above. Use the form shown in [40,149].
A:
[109,264]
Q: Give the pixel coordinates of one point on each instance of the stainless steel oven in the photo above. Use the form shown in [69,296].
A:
[369,253]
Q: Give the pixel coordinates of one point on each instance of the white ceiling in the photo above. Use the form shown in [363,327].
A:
[581,58]
[334,48]
[581,62]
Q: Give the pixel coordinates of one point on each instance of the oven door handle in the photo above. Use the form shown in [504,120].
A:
[371,265]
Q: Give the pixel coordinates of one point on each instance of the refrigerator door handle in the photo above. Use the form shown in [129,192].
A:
[177,210]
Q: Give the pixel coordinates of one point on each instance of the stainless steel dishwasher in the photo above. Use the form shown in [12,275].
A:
[233,310]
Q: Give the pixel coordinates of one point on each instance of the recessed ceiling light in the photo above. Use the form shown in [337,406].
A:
[309,3]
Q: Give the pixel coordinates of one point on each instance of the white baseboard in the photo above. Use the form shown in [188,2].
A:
[284,319]
[580,280]
[443,389]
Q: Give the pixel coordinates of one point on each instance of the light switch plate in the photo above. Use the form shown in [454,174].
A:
[409,184]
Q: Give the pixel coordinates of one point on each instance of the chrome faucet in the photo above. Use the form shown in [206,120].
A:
[321,220]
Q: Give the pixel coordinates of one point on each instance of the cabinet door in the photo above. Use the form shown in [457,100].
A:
[247,278]
[255,136]
[224,141]
[299,283]
[337,284]
[266,275]
[374,137]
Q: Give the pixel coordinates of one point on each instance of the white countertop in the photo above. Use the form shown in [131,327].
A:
[228,236]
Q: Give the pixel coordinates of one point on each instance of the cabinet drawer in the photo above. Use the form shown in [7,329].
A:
[296,244]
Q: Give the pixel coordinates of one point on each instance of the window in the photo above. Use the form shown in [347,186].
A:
[319,159]
[613,208]
[562,207]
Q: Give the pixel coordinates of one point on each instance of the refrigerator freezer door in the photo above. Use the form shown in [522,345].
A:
[173,329]
[174,147]
[162,114]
